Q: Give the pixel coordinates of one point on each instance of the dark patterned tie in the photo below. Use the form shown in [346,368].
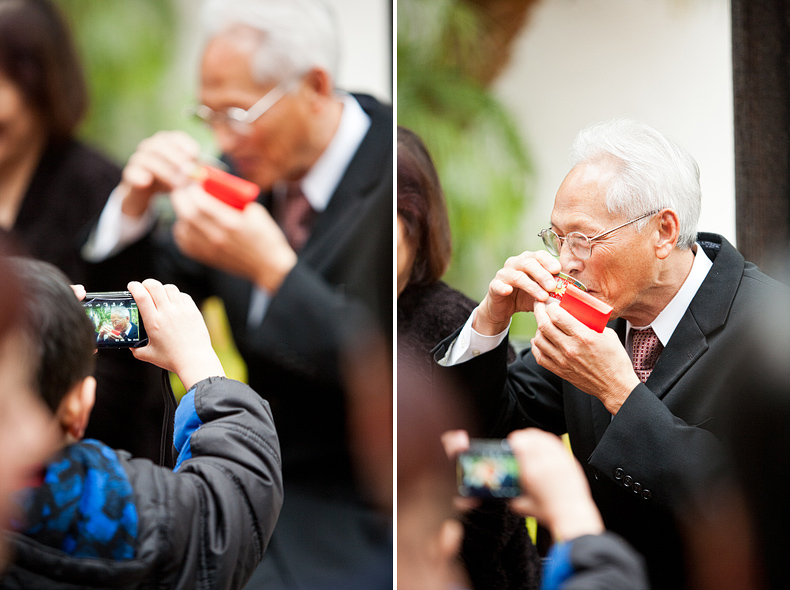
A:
[646,348]
[296,217]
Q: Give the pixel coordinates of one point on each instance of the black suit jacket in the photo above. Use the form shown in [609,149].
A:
[134,333]
[643,463]
[339,293]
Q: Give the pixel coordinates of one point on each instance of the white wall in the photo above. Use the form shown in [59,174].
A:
[366,51]
[666,62]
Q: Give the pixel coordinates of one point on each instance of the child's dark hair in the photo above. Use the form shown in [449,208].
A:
[61,334]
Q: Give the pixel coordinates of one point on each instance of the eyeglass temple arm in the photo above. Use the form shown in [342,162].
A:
[608,231]
[268,100]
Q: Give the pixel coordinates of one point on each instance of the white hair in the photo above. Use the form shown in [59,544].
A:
[121,311]
[295,35]
[653,172]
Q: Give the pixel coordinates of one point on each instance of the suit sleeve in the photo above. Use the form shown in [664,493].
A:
[648,443]
[508,397]
[223,501]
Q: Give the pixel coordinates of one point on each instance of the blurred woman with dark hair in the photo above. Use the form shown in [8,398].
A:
[53,188]
[51,185]
[497,551]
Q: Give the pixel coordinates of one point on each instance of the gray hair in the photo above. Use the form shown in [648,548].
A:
[121,311]
[653,173]
[295,35]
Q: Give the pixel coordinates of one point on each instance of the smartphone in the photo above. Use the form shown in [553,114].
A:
[116,320]
[488,470]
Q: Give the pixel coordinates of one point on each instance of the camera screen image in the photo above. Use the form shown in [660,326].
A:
[488,470]
[116,320]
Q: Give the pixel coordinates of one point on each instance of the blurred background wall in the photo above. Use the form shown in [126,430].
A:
[665,62]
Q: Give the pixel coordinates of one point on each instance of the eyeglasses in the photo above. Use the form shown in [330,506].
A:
[239,120]
[580,245]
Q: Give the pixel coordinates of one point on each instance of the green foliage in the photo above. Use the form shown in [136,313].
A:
[480,157]
[128,50]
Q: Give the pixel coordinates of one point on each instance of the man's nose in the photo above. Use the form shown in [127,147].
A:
[568,259]
[226,139]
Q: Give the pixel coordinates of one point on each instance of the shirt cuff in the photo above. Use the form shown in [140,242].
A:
[115,231]
[471,343]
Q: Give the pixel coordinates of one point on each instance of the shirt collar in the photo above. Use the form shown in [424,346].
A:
[321,181]
[665,323]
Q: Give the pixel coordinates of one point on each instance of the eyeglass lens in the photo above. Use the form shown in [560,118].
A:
[578,243]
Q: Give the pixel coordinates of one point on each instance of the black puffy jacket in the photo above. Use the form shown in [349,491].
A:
[206,525]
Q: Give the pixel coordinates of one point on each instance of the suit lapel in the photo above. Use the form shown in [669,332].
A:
[687,344]
[371,164]
[708,311]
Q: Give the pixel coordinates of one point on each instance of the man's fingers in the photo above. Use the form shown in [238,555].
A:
[500,288]
[564,321]
[539,266]
[547,261]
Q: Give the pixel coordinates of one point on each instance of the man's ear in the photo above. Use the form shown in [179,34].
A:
[75,408]
[668,233]
[319,83]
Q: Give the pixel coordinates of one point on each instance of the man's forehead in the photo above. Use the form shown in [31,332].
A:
[582,195]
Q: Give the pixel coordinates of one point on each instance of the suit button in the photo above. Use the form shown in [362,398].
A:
[619,473]
[628,481]
[596,475]
[646,494]
[637,487]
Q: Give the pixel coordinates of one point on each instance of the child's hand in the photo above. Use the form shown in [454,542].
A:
[178,337]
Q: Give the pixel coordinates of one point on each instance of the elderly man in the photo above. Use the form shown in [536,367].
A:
[305,273]
[624,224]
[120,327]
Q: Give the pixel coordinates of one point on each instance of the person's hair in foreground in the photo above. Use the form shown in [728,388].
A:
[65,340]
[429,538]
[38,55]
[422,207]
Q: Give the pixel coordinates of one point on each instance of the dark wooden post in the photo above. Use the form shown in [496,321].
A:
[761,89]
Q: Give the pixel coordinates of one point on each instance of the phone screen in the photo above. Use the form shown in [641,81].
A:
[116,320]
[488,470]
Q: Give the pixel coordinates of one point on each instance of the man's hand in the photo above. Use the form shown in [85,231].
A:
[107,331]
[555,488]
[525,278]
[595,363]
[162,163]
[248,243]
[178,338]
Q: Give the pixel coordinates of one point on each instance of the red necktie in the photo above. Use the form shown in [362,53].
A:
[296,217]
[646,348]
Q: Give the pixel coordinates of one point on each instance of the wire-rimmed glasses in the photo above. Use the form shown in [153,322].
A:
[580,245]
[240,120]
